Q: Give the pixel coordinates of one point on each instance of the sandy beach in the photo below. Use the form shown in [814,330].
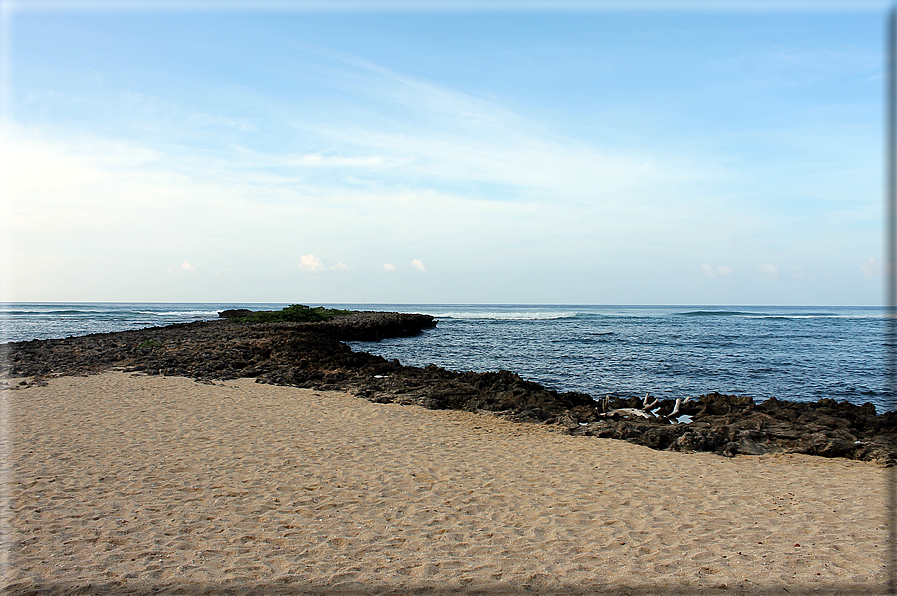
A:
[130,483]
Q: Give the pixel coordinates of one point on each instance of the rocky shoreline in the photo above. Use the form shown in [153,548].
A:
[313,355]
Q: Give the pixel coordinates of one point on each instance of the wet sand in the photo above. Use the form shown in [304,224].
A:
[126,482]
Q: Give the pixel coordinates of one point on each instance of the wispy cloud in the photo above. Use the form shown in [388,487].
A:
[429,135]
[317,160]
[768,270]
[210,120]
[872,268]
[419,265]
[718,271]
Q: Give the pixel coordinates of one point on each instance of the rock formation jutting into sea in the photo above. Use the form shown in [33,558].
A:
[312,355]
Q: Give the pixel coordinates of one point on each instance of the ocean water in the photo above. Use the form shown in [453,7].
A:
[794,353]
[27,321]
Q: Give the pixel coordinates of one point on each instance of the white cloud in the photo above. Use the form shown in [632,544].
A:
[871,268]
[315,263]
[389,267]
[798,272]
[187,266]
[419,265]
[311,263]
[721,270]
[768,270]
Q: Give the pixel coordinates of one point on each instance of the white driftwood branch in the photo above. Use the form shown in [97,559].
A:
[648,406]
[647,409]
[629,411]
[679,402]
[675,407]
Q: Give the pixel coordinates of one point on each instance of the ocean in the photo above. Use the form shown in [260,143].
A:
[787,352]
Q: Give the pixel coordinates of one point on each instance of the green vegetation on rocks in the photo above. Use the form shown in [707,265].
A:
[295,313]
[149,345]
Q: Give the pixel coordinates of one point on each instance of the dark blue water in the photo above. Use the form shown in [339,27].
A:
[801,354]
[795,353]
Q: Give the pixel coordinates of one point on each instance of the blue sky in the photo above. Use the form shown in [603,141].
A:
[729,154]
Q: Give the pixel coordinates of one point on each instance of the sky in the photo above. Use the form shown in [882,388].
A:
[658,153]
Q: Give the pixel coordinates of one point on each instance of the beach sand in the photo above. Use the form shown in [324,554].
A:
[125,482]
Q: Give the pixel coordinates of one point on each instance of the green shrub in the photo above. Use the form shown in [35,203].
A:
[150,344]
[295,313]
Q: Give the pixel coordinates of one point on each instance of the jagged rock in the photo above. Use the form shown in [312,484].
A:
[234,313]
[694,441]
[750,446]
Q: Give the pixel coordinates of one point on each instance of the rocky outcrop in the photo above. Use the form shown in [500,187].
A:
[730,425]
[234,313]
[223,349]
[313,355]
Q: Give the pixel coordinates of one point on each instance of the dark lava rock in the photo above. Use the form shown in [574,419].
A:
[312,355]
[730,425]
[234,313]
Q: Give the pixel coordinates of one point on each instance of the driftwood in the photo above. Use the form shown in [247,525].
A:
[646,411]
